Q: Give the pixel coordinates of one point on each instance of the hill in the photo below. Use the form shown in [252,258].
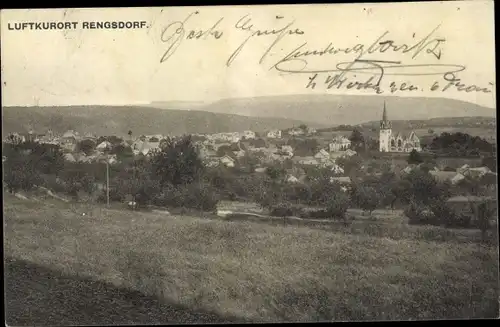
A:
[346,109]
[118,120]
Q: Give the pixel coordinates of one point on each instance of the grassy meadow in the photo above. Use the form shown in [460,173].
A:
[260,272]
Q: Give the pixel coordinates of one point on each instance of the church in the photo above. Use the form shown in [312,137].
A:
[390,141]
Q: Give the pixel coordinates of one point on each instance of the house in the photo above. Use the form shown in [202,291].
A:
[249,135]
[349,153]
[291,179]
[287,149]
[89,136]
[327,163]
[477,172]
[69,140]
[296,132]
[457,179]
[104,145]
[227,161]
[145,148]
[150,148]
[206,153]
[69,157]
[211,162]
[276,134]
[261,170]
[15,138]
[337,169]
[322,155]
[339,143]
[305,161]
[443,176]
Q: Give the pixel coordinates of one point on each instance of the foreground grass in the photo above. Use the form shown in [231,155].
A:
[259,272]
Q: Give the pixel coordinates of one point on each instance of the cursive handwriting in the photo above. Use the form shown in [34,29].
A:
[374,66]
[245,24]
[381,45]
[174,33]
[454,82]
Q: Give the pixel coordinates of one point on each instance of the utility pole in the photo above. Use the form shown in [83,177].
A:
[107,181]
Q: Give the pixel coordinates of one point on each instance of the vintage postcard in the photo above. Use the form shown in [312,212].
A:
[270,163]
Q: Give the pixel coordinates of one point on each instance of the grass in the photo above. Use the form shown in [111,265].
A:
[256,271]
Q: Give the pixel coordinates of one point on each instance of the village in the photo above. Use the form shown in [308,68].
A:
[298,149]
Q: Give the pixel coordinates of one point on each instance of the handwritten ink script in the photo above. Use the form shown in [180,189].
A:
[323,67]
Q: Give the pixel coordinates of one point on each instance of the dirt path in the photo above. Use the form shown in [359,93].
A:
[39,296]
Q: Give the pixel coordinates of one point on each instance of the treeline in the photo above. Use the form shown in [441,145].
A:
[460,144]
[176,177]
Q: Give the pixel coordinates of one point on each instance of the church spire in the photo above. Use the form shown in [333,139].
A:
[385,123]
[384,114]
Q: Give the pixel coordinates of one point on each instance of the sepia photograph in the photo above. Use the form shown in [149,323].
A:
[250,164]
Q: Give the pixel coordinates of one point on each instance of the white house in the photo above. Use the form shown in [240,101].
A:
[227,161]
[337,169]
[104,145]
[287,149]
[322,155]
[296,132]
[249,134]
[339,143]
[292,179]
[276,134]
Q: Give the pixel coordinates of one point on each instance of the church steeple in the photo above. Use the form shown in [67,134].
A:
[385,123]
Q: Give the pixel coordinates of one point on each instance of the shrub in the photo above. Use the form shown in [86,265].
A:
[193,196]
[419,214]
[282,209]
[337,205]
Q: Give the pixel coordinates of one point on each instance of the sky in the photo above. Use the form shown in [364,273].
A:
[123,66]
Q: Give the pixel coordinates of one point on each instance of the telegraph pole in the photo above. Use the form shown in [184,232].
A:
[107,181]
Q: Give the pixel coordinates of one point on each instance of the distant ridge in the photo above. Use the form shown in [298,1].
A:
[118,120]
[343,109]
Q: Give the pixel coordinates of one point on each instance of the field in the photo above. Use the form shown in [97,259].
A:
[259,272]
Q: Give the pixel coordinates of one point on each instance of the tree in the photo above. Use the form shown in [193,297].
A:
[177,162]
[122,151]
[304,147]
[276,174]
[130,135]
[77,179]
[367,198]
[414,157]
[484,213]
[20,173]
[357,140]
[303,127]
[224,150]
[337,205]
[86,146]
[350,164]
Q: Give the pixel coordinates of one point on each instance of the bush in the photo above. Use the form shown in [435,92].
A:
[193,196]
[282,210]
[338,205]
[419,214]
